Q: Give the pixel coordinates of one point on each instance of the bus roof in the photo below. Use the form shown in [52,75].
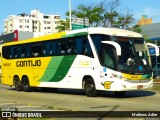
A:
[107,31]
[93,30]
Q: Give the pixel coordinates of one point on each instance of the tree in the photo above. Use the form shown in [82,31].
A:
[136,28]
[63,25]
[104,14]
[147,39]
[93,13]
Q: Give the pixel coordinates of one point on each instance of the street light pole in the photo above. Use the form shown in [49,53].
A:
[70,15]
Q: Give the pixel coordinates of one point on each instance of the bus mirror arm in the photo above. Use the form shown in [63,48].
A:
[116,45]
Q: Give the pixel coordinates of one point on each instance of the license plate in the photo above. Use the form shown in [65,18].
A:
[139,86]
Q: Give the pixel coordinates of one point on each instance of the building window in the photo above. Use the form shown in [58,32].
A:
[35,27]
[20,21]
[46,17]
[27,26]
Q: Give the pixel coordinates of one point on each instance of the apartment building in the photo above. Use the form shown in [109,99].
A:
[144,20]
[35,22]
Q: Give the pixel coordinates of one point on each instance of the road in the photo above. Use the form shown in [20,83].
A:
[75,100]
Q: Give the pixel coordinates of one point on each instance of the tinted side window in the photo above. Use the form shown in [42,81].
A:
[67,46]
[83,46]
[53,49]
[15,52]
[6,52]
[25,51]
[108,56]
[46,48]
[36,50]
[97,38]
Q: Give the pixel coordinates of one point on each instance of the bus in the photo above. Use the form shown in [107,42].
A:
[0,58]
[91,59]
[155,60]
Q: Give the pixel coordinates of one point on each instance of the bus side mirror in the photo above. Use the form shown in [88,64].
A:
[116,45]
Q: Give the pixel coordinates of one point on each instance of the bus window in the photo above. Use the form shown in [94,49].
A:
[6,52]
[86,48]
[108,58]
[97,38]
[36,50]
[79,45]
[83,46]
[28,52]
[16,52]
[23,51]
[44,50]
[53,48]
[62,48]
[47,49]
[70,46]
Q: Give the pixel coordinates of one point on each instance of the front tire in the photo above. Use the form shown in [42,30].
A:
[89,88]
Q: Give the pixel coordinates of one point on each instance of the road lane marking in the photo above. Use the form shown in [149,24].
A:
[25,106]
[7,103]
[47,110]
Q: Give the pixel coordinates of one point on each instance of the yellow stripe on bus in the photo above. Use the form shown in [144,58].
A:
[132,77]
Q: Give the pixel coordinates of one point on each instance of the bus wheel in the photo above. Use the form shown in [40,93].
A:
[18,85]
[26,86]
[89,88]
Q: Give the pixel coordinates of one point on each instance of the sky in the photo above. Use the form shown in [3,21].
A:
[151,8]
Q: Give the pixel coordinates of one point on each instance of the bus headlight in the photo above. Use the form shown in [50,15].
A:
[119,77]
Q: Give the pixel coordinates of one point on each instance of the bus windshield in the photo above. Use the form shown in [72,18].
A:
[134,58]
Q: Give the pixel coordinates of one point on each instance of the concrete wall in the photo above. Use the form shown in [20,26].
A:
[25,35]
[21,36]
[7,37]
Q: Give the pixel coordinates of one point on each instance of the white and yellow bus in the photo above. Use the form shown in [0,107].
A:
[93,59]
[0,58]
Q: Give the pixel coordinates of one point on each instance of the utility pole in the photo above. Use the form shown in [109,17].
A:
[70,15]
